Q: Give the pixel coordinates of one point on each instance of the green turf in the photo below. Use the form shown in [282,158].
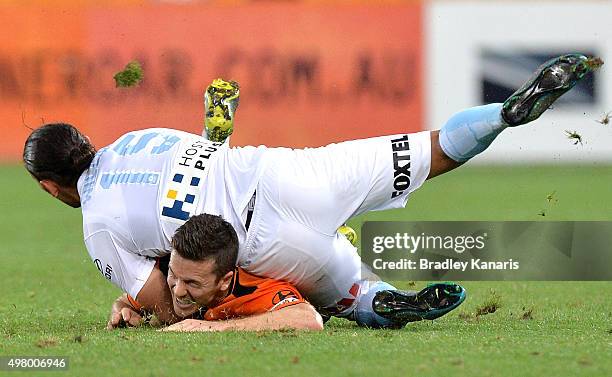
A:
[55,302]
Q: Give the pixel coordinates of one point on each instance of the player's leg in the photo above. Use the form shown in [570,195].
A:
[471,131]
[324,187]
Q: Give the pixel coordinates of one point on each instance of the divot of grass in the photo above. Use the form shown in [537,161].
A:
[466,316]
[124,336]
[46,342]
[585,361]
[527,314]
[490,306]
[131,75]
[457,362]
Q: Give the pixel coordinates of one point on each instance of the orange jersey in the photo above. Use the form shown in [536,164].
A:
[250,295]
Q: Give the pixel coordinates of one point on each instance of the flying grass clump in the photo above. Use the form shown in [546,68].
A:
[551,200]
[574,136]
[606,119]
[131,76]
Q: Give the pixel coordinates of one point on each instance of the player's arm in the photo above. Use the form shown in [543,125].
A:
[154,297]
[135,274]
[300,316]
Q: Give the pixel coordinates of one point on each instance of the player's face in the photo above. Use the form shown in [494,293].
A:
[60,193]
[193,284]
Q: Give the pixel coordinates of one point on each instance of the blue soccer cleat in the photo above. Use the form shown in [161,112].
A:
[549,82]
[432,302]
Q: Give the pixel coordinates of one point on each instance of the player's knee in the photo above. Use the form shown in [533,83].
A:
[440,161]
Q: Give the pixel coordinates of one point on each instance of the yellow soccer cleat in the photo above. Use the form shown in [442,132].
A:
[220,103]
[349,233]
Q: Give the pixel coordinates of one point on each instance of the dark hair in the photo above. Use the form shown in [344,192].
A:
[205,237]
[59,152]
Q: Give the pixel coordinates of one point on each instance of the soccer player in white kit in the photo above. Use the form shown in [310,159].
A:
[137,191]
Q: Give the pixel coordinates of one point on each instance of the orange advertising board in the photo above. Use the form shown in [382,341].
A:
[310,74]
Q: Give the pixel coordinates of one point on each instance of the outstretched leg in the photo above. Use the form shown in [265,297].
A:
[471,131]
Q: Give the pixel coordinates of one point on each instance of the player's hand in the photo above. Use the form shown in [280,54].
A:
[123,315]
[189,325]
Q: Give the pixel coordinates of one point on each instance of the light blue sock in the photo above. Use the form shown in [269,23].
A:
[471,131]
[364,314]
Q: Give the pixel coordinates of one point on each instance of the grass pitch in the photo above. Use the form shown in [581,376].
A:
[54,301]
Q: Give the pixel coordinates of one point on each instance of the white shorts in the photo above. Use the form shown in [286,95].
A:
[305,195]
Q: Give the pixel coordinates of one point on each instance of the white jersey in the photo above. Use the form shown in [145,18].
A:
[141,188]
